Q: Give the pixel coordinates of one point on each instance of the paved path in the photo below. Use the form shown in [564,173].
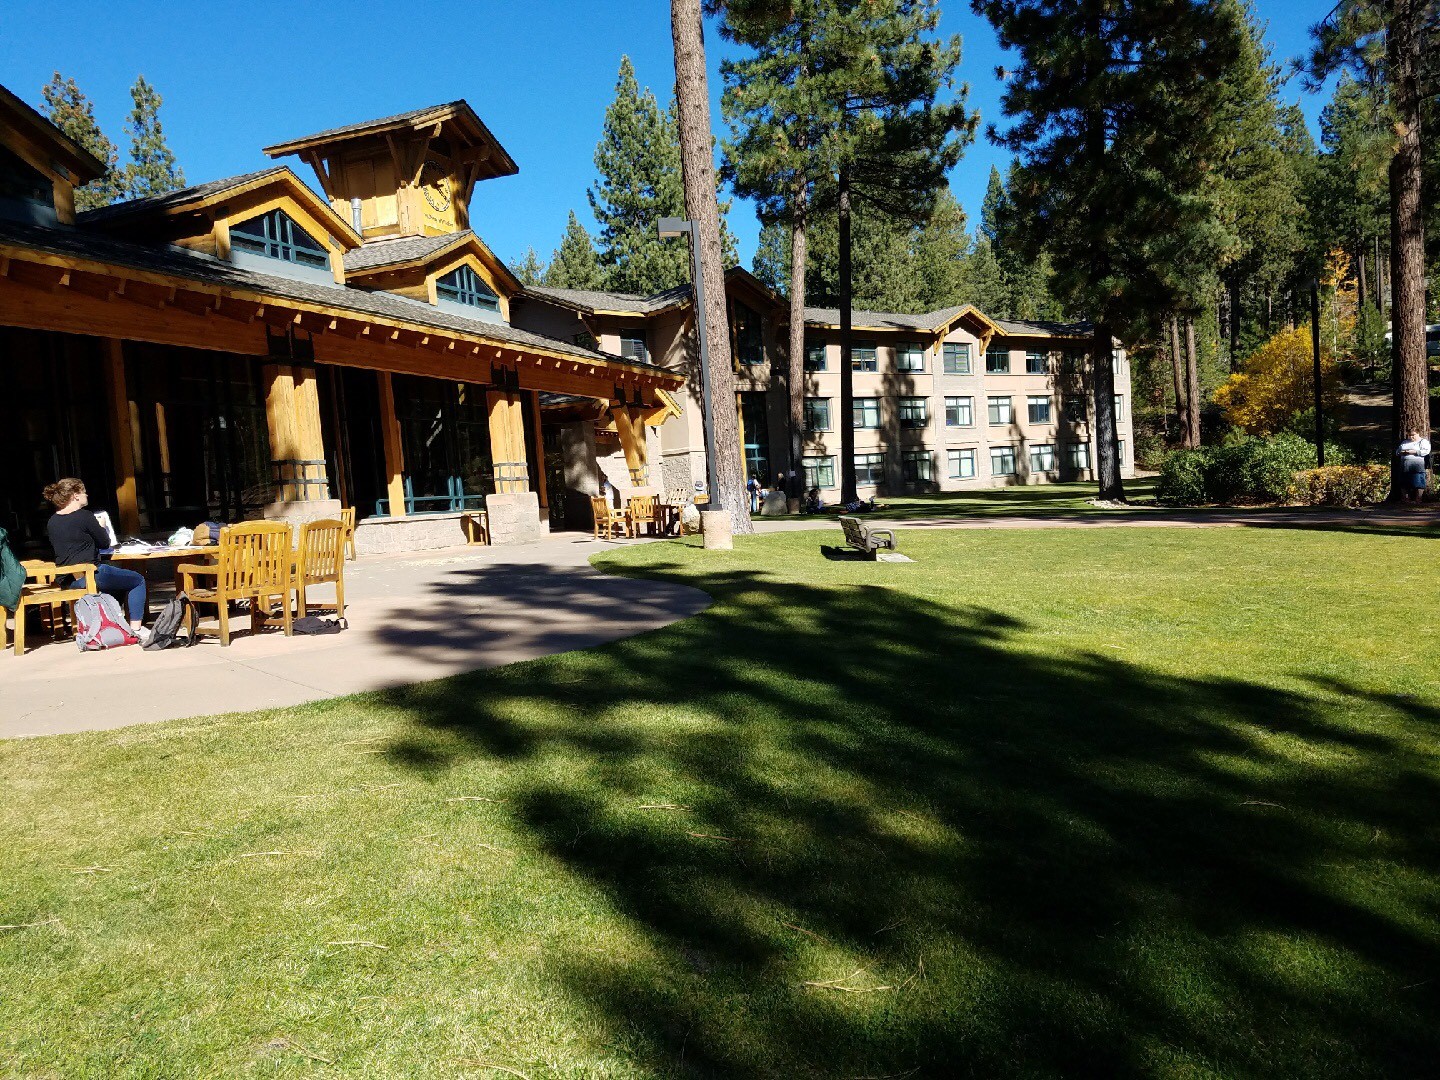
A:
[412,618]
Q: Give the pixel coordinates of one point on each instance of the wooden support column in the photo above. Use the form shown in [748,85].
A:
[297,449]
[122,438]
[507,442]
[394,449]
[632,441]
[543,486]
[309,441]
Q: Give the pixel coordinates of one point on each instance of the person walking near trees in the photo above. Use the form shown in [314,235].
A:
[1412,453]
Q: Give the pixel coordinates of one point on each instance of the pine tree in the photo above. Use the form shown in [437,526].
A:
[993,207]
[772,257]
[982,283]
[938,253]
[530,270]
[575,264]
[1108,182]
[72,112]
[151,169]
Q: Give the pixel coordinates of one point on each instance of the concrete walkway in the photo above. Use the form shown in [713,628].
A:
[412,618]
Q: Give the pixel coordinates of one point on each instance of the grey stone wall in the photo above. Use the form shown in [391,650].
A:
[514,518]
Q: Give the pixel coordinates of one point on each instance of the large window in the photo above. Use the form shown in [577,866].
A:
[815,356]
[914,412]
[962,463]
[1000,411]
[632,345]
[1036,362]
[1119,408]
[445,436]
[1073,362]
[757,435]
[959,412]
[817,414]
[1042,458]
[276,236]
[957,358]
[749,335]
[866,412]
[819,472]
[909,356]
[915,466]
[1039,408]
[1075,410]
[862,356]
[869,468]
[1077,456]
[997,361]
[1002,461]
[464,286]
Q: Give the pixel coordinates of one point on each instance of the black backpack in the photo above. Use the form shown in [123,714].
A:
[166,631]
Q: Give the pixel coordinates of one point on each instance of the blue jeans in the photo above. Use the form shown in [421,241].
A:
[126,586]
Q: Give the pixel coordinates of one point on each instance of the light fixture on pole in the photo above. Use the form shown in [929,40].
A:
[671,227]
[1315,349]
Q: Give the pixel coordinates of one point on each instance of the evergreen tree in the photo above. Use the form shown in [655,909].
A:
[1108,182]
[982,282]
[71,111]
[938,253]
[151,169]
[992,208]
[575,264]
[530,270]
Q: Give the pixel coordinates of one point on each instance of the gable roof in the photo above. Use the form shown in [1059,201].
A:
[1014,328]
[199,196]
[883,320]
[383,256]
[601,302]
[63,150]
[457,112]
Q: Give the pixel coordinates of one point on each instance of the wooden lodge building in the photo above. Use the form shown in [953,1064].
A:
[247,348]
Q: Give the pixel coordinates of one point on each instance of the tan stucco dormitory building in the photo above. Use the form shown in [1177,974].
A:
[248,348]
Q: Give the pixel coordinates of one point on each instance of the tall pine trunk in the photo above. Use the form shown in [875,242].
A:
[847,374]
[798,223]
[1192,385]
[1407,232]
[1177,368]
[1107,449]
[1360,283]
[692,101]
[1234,321]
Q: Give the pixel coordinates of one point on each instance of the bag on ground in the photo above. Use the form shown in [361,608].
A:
[166,631]
[100,624]
[313,624]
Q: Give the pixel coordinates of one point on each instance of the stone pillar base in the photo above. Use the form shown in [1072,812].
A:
[514,518]
[299,512]
[715,529]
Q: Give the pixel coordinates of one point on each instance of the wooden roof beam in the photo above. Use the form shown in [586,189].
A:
[147,294]
[196,303]
[100,286]
[246,311]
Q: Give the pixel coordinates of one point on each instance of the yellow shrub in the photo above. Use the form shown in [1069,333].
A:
[1276,381]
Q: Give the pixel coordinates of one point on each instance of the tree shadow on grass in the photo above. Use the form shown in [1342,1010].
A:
[899,838]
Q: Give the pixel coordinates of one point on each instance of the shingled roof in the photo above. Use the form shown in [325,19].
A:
[884,320]
[405,249]
[180,263]
[159,203]
[593,300]
[1014,328]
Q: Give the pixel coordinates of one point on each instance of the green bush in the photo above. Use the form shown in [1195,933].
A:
[1243,469]
[1341,485]
[1182,478]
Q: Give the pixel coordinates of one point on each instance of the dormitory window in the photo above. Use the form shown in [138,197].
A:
[815,357]
[817,414]
[1042,458]
[1120,451]
[1002,461]
[866,412]
[1073,363]
[1000,410]
[1078,455]
[869,468]
[632,345]
[997,361]
[957,358]
[276,236]
[862,356]
[819,472]
[909,357]
[464,286]
[1119,408]
[1036,363]
[1039,407]
[915,466]
[914,412]
[962,464]
[959,412]
[1075,410]
[749,335]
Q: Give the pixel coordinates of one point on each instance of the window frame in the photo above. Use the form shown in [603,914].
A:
[1014,469]
[813,467]
[907,350]
[1033,401]
[631,335]
[991,400]
[913,404]
[869,362]
[998,355]
[1077,455]
[824,402]
[915,457]
[276,240]
[812,348]
[960,401]
[874,459]
[863,405]
[1037,362]
[953,458]
[469,285]
[963,362]
[1044,452]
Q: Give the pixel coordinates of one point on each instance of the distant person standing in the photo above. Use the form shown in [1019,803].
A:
[753,487]
[1413,452]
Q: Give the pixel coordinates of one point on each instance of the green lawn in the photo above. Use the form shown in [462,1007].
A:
[1136,802]
[1049,500]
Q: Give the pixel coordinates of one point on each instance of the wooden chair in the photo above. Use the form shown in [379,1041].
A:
[320,560]
[43,591]
[607,518]
[347,519]
[644,510]
[255,563]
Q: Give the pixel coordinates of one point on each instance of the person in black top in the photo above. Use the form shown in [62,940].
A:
[77,537]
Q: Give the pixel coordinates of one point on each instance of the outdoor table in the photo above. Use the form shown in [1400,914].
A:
[182,551]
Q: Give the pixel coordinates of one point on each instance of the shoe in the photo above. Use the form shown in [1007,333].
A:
[142,632]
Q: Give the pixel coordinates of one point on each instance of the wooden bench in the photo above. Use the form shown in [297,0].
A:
[865,540]
[44,591]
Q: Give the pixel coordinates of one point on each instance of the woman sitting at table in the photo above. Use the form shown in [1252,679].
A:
[77,537]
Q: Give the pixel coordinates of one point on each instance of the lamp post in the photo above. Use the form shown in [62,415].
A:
[671,227]
[1315,349]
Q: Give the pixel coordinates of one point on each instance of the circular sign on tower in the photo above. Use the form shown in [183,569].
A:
[435,184]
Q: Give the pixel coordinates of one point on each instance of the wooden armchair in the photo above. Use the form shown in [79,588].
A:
[255,563]
[347,519]
[644,510]
[42,590]
[320,560]
[607,519]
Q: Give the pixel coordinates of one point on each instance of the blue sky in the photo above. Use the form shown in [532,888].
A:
[236,77]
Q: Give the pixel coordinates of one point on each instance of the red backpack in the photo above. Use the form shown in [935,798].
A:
[100,624]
